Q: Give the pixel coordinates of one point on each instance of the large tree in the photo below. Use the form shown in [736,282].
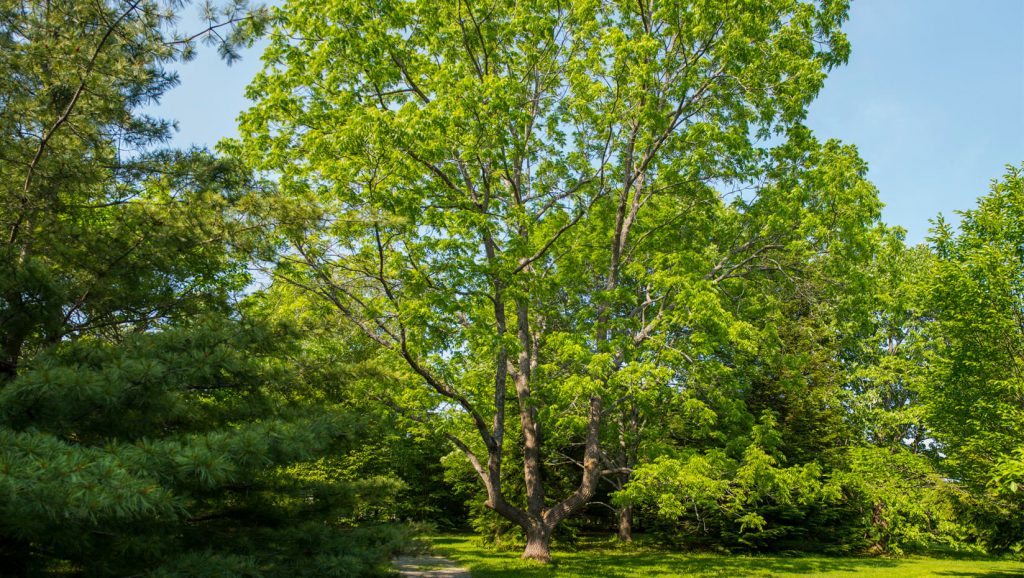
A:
[530,203]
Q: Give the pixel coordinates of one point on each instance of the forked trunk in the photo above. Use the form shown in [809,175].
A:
[537,521]
[538,544]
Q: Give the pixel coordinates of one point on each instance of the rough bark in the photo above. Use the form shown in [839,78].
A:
[625,524]
[624,460]
[528,415]
[538,544]
[878,520]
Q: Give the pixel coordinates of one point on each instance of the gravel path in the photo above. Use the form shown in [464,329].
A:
[429,567]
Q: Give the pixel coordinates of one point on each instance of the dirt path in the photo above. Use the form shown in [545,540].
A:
[429,567]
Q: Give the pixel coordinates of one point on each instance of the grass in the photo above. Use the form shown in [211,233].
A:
[610,561]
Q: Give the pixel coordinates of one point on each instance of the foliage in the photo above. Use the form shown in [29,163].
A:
[339,365]
[147,426]
[169,444]
[729,498]
[533,202]
[839,371]
[102,232]
[889,366]
[900,502]
[973,399]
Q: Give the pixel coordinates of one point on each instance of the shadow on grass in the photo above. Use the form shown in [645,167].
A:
[611,562]
[983,574]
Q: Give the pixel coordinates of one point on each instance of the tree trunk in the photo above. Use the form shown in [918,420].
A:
[11,342]
[629,430]
[538,544]
[539,527]
[626,524]
[882,525]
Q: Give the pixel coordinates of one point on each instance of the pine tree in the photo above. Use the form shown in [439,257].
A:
[146,425]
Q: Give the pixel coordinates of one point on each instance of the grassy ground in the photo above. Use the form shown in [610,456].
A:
[608,561]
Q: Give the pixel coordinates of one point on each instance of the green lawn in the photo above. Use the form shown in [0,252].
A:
[606,561]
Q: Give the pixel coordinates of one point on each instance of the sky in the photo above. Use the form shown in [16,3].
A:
[932,96]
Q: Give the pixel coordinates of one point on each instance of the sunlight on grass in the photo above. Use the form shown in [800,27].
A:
[609,561]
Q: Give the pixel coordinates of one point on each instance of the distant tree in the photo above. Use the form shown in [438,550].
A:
[973,400]
[815,441]
[898,494]
[890,362]
[528,204]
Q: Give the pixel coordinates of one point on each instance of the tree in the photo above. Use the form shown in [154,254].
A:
[186,451]
[746,445]
[973,397]
[898,494]
[890,364]
[839,460]
[102,232]
[528,204]
[100,236]
[146,425]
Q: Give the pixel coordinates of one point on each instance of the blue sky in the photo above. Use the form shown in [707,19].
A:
[933,97]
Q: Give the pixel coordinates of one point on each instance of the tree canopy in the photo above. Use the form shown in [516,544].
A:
[973,396]
[556,202]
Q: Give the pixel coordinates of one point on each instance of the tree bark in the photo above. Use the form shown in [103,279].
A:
[629,430]
[10,353]
[879,522]
[626,524]
[538,543]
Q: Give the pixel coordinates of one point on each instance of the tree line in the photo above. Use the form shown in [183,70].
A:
[533,269]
